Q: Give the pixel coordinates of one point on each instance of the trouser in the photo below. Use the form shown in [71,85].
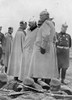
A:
[1,52]
[63,72]
[5,69]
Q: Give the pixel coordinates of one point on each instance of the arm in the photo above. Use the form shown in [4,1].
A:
[38,38]
[69,41]
[22,41]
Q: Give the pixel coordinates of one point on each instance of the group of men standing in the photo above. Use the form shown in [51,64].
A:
[39,53]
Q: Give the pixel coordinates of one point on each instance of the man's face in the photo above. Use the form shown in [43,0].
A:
[64,29]
[43,17]
[24,26]
[30,24]
[10,31]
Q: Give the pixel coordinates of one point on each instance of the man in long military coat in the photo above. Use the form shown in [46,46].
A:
[8,47]
[14,66]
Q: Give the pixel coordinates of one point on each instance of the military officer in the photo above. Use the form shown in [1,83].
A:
[63,45]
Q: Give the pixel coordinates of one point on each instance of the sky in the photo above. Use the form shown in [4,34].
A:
[13,11]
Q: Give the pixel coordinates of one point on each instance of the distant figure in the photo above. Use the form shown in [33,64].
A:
[63,45]
[8,47]
[43,61]
[28,48]
[17,51]
[1,43]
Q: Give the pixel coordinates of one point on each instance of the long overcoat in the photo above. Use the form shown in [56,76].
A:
[44,65]
[14,66]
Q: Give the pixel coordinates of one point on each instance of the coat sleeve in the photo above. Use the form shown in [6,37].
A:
[51,25]
[39,37]
[22,41]
[69,41]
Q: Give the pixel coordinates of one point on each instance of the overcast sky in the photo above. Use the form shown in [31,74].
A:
[12,11]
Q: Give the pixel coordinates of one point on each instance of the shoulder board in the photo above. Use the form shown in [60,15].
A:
[68,35]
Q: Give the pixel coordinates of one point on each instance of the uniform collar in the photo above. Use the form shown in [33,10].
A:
[9,34]
[22,30]
[63,33]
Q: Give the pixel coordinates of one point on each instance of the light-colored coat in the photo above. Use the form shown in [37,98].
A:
[16,54]
[44,65]
[7,48]
[27,52]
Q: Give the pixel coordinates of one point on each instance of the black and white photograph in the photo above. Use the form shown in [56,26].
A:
[35,49]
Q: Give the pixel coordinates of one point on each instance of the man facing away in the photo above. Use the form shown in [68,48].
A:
[8,46]
[17,51]
[63,45]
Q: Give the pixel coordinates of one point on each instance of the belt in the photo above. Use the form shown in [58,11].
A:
[62,47]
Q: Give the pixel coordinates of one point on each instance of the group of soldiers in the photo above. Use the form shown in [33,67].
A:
[39,53]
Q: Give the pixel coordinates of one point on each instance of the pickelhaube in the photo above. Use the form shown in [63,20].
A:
[65,25]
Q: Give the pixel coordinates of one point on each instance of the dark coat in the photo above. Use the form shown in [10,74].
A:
[64,40]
